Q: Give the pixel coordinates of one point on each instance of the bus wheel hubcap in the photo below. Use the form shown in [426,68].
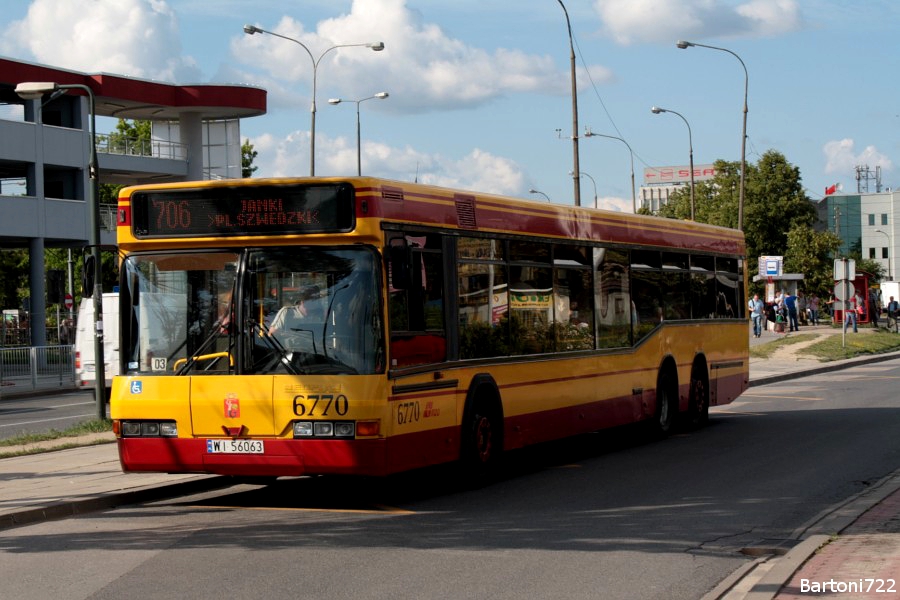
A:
[483,439]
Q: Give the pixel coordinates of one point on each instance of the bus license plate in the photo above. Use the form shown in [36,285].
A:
[235,447]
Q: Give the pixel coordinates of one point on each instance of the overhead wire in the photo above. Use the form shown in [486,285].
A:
[609,116]
[603,104]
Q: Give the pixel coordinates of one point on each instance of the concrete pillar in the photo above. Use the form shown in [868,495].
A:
[37,292]
[36,285]
[190,131]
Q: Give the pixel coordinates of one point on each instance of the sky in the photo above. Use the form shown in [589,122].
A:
[480,91]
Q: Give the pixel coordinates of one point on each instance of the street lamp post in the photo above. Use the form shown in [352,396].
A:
[890,251]
[34,90]
[576,180]
[534,191]
[380,96]
[656,110]
[594,183]
[376,46]
[589,133]
[683,44]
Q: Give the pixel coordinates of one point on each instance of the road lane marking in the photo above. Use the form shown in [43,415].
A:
[18,423]
[781,397]
[378,510]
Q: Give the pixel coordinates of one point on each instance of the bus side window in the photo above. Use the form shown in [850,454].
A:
[616,315]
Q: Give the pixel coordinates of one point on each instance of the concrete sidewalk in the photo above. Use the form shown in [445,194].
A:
[69,482]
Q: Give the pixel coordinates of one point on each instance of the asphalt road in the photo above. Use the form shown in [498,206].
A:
[610,515]
[39,414]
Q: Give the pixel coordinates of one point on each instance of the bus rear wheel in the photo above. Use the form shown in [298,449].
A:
[698,405]
[666,406]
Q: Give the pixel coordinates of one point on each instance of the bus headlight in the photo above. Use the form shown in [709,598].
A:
[324,429]
[148,428]
[303,429]
[344,429]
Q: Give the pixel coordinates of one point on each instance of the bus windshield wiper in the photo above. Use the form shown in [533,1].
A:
[273,343]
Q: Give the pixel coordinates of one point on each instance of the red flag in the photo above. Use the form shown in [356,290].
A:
[830,190]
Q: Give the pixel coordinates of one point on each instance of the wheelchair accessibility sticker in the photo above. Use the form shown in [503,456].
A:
[137,387]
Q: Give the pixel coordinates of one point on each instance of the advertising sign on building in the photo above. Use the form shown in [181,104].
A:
[680,174]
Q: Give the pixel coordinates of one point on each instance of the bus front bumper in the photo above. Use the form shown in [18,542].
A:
[280,457]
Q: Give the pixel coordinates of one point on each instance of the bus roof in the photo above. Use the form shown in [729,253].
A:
[470,212]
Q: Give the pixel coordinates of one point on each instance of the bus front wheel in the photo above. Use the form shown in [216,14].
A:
[482,443]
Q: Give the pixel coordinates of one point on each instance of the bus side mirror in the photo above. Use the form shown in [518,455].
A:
[399,259]
[87,276]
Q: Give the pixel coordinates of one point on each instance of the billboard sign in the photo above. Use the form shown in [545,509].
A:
[678,174]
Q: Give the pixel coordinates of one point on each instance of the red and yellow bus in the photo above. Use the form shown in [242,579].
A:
[275,327]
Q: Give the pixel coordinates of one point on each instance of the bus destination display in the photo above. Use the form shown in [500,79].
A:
[244,210]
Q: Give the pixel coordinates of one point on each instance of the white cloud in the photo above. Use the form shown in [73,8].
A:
[138,38]
[479,170]
[841,157]
[637,21]
[423,67]
[615,204]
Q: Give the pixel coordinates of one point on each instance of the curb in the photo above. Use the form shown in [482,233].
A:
[825,368]
[823,529]
[150,493]
[783,569]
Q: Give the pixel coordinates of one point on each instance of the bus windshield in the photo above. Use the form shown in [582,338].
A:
[297,310]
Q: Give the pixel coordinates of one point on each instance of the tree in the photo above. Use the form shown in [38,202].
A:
[774,202]
[248,155]
[13,277]
[812,253]
[872,267]
[131,137]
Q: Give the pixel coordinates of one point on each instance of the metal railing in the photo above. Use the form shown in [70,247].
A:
[108,216]
[116,144]
[29,368]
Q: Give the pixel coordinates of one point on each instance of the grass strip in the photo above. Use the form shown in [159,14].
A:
[85,428]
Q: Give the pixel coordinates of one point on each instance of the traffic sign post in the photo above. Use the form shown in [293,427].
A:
[844,269]
[844,272]
[843,291]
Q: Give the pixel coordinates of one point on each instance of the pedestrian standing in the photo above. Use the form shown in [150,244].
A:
[790,303]
[872,308]
[801,308]
[893,314]
[756,313]
[853,308]
[812,305]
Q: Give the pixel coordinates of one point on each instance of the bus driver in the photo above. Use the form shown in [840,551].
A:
[298,316]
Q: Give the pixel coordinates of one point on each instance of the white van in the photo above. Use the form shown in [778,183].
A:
[888,289]
[84,341]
